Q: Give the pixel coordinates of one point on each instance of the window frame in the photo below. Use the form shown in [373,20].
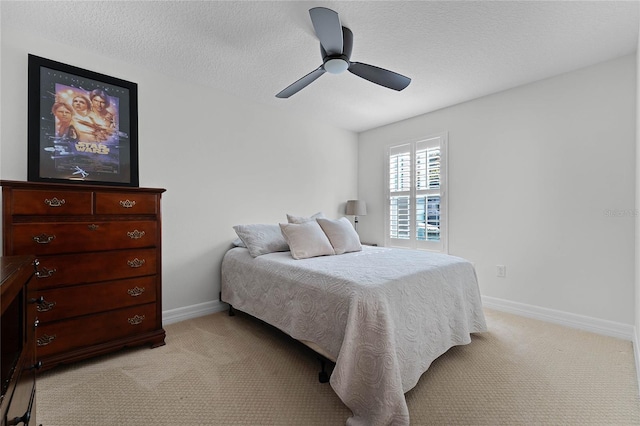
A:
[442,246]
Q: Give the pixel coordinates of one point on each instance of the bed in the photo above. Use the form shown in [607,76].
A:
[382,314]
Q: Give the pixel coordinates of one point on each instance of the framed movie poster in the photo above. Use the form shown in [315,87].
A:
[83,126]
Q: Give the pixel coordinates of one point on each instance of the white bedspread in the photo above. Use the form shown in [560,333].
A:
[384,314]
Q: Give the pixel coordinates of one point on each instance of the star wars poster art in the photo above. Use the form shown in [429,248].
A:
[86,125]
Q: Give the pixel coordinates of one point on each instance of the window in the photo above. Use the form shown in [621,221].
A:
[416,194]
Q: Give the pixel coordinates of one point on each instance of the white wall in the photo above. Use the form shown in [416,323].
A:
[223,161]
[532,174]
[636,337]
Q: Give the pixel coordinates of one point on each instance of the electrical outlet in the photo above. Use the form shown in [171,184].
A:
[501,271]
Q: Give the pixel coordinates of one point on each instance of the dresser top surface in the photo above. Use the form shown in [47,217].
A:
[75,187]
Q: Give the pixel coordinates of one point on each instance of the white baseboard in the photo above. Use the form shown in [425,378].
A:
[193,311]
[594,325]
[636,350]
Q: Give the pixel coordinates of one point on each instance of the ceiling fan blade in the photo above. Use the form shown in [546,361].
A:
[327,25]
[294,88]
[347,48]
[380,76]
[347,36]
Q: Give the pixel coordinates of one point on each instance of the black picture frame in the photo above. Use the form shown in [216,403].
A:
[68,143]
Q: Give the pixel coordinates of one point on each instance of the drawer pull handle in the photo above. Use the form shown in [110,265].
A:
[36,366]
[45,272]
[93,227]
[135,263]
[127,204]
[135,235]
[45,306]
[137,319]
[136,291]
[43,238]
[54,202]
[45,340]
[38,300]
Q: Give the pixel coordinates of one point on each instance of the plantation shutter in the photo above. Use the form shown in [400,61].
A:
[416,194]
[400,192]
[428,190]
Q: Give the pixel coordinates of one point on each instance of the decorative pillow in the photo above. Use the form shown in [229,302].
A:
[261,238]
[341,234]
[238,243]
[303,219]
[306,240]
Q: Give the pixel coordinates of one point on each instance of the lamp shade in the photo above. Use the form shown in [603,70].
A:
[356,208]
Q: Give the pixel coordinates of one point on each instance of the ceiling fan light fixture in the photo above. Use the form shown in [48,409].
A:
[336,65]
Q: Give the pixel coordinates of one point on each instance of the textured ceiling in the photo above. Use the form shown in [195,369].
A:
[454,51]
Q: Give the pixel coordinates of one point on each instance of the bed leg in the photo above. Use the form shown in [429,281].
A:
[323,376]
[231,311]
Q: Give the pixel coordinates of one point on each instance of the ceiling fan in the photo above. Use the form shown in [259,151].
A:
[336,43]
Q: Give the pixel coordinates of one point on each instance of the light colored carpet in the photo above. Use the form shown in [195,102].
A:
[221,370]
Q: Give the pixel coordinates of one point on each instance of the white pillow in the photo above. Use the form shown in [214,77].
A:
[261,238]
[302,219]
[306,239]
[238,243]
[341,234]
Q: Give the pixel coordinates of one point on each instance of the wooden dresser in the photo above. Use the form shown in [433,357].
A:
[17,341]
[99,281]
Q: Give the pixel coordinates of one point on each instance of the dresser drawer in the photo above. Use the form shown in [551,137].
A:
[71,269]
[53,238]
[126,203]
[29,202]
[76,333]
[67,302]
